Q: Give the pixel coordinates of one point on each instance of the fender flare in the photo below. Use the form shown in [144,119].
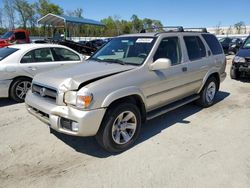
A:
[208,74]
[121,93]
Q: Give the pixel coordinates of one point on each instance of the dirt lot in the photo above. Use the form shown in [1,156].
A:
[189,147]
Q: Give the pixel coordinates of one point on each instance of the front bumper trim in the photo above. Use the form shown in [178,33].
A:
[48,112]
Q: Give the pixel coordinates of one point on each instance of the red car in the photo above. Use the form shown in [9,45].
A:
[17,36]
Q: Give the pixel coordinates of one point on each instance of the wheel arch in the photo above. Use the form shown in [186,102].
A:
[209,75]
[132,95]
[18,78]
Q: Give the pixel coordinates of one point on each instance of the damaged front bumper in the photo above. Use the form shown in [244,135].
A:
[64,119]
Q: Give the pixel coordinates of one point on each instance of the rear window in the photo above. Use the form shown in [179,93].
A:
[213,44]
[5,52]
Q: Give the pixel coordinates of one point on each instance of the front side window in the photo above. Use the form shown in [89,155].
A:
[38,56]
[62,54]
[213,44]
[125,50]
[195,47]
[5,52]
[169,48]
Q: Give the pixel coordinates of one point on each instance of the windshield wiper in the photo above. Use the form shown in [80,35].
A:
[114,61]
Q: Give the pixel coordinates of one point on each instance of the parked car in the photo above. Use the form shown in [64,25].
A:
[20,63]
[241,62]
[132,79]
[231,45]
[235,45]
[97,43]
[17,36]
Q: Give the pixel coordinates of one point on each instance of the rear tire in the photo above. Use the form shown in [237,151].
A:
[208,93]
[234,73]
[120,128]
[19,88]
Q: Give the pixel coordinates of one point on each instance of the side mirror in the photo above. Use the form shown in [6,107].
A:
[161,64]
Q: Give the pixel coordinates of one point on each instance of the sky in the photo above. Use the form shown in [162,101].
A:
[187,13]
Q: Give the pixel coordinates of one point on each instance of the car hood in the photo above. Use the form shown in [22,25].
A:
[244,53]
[71,77]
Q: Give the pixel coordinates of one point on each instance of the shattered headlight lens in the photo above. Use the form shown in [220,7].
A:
[239,59]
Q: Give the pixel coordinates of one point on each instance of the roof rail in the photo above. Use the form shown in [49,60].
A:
[198,29]
[164,29]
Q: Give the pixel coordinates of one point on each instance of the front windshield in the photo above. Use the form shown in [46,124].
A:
[7,35]
[247,43]
[125,50]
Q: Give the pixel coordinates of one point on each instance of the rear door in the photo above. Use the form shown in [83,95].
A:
[197,61]
[39,60]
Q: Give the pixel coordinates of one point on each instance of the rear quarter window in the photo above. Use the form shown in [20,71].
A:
[213,44]
[5,52]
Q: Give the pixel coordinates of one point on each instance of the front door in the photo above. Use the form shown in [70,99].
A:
[166,86]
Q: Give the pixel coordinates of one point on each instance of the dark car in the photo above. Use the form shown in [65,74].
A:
[241,62]
[97,43]
[235,45]
[228,42]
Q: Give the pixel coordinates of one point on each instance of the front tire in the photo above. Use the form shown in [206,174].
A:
[208,93]
[120,127]
[19,88]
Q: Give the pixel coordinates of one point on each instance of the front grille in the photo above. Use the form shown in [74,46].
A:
[248,60]
[44,91]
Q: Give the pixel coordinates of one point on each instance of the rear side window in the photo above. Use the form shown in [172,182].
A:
[62,54]
[213,44]
[195,47]
[38,56]
[5,52]
[20,36]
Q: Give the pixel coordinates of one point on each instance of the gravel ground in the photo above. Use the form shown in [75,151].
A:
[188,147]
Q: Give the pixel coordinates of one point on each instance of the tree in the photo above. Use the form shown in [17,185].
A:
[10,13]
[25,11]
[44,7]
[218,28]
[239,26]
[137,23]
[1,18]
[76,13]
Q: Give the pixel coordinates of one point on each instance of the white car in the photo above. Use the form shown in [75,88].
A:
[20,63]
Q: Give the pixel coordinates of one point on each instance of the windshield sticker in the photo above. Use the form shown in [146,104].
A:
[124,41]
[144,40]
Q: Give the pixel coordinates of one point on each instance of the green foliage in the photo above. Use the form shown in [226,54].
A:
[29,13]
[45,7]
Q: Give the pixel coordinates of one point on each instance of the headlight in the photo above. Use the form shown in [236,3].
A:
[238,59]
[233,46]
[80,100]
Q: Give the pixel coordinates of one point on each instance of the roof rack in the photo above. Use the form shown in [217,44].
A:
[173,29]
[198,29]
[164,29]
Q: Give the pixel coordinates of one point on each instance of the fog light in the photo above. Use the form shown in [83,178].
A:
[75,126]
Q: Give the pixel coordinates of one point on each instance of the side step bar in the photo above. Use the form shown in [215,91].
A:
[170,107]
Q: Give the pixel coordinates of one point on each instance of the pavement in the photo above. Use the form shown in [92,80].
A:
[189,147]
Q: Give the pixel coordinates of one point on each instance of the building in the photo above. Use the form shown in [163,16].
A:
[231,30]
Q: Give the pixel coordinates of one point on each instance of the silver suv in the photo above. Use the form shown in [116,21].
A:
[132,79]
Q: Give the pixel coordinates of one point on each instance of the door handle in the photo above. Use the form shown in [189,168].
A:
[184,69]
[32,68]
